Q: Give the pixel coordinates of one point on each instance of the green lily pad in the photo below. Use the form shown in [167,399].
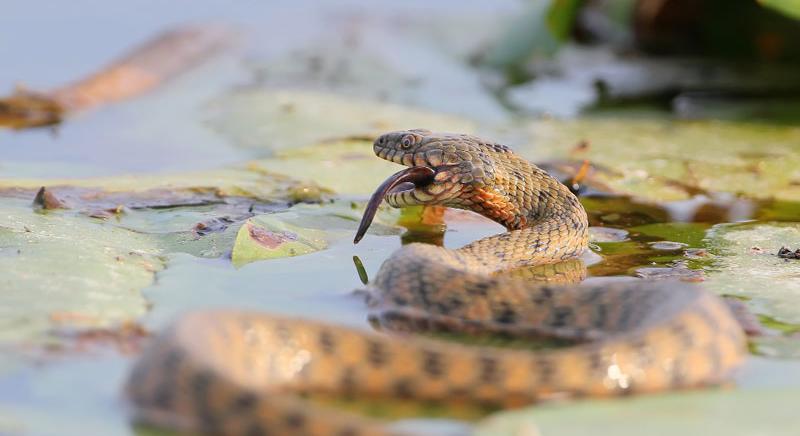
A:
[63,272]
[309,173]
[663,160]
[747,266]
[265,237]
[279,119]
[777,346]
[744,412]
[347,167]
[304,229]
[166,189]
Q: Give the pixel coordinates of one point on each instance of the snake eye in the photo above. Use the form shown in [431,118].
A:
[407,142]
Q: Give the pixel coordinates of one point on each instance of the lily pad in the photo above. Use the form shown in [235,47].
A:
[166,189]
[347,167]
[746,412]
[62,272]
[309,173]
[747,266]
[670,160]
[266,237]
[777,346]
[304,229]
[279,119]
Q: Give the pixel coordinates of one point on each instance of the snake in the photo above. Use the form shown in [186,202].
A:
[251,373]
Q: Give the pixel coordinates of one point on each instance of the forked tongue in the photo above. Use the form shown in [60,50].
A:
[409,175]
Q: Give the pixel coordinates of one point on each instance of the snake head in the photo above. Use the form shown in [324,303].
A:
[447,169]
[460,164]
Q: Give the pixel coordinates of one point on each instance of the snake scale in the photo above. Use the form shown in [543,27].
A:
[230,372]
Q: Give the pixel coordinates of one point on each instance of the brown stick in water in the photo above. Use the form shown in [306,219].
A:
[146,67]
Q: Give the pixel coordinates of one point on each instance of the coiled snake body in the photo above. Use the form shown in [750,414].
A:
[232,372]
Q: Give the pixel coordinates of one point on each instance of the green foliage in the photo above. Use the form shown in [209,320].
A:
[560,17]
[537,32]
[789,8]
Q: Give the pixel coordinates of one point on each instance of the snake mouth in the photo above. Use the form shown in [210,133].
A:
[402,187]
[401,182]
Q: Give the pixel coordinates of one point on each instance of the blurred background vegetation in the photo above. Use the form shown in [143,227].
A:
[733,59]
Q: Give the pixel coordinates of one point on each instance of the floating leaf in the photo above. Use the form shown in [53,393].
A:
[269,120]
[347,167]
[178,189]
[266,237]
[63,272]
[738,412]
[777,346]
[664,160]
[748,266]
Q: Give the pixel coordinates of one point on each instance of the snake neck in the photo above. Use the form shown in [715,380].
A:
[521,195]
[546,222]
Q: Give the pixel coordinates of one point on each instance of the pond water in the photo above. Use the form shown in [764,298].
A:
[289,112]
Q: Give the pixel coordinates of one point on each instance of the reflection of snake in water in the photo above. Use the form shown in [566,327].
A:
[246,373]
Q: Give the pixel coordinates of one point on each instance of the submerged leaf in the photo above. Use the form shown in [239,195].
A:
[687,234]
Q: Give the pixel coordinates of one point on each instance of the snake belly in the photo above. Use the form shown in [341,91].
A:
[237,373]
